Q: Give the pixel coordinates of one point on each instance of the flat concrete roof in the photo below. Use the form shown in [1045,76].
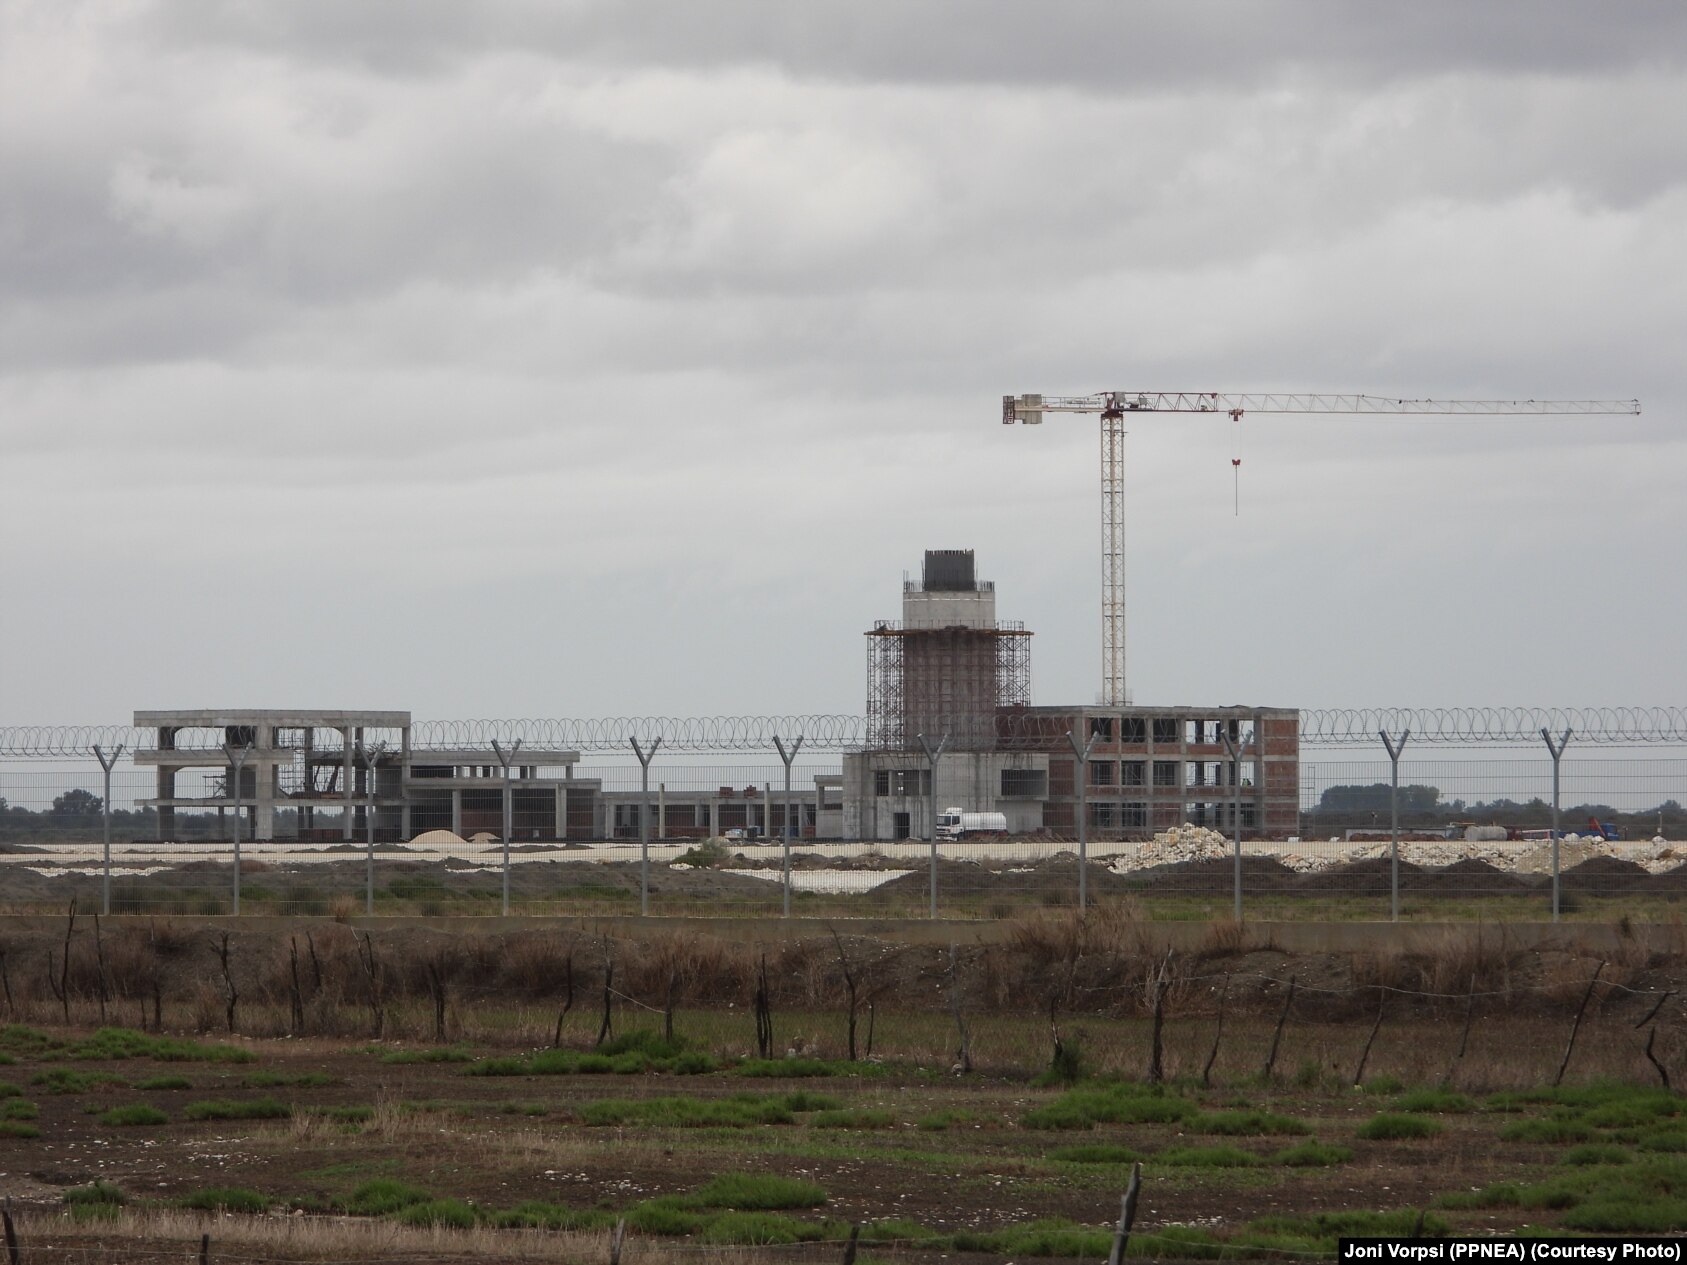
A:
[328,718]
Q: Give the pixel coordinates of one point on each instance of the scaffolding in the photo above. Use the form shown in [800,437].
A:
[944,681]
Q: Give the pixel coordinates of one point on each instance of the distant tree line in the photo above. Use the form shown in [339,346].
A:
[1421,807]
[77,814]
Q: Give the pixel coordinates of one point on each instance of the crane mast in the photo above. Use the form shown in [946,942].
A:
[1113,406]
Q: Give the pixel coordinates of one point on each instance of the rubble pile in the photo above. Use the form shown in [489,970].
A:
[1198,843]
[1171,847]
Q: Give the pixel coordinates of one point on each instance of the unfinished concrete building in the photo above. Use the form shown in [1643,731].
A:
[940,677]
[951,672]
[318,775]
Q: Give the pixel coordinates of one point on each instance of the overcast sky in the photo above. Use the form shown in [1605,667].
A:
[533,358]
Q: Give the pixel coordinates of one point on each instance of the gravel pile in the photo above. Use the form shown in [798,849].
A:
[1188,843]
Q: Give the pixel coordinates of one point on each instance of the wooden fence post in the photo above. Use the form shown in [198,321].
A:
[13,1253]
[1277,1036]
[849,1247]
[1156,1053]
[1127,1214]
[1365,1054]
[1576,1027]
[615,1237]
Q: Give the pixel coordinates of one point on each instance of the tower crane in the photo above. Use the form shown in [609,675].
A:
[1113,406]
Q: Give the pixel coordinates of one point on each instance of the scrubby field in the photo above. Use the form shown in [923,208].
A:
[319,1093]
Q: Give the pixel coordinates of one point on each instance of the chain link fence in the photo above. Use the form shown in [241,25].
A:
[1461,838]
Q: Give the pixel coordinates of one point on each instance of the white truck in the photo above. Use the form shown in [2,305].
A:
[952,823]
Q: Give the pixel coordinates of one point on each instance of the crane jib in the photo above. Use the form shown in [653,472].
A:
[1029,408]
[1115,406]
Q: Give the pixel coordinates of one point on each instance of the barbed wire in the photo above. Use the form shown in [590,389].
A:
[1499,725]
[833,733]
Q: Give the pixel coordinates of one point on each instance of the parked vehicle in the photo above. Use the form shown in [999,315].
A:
[953,823]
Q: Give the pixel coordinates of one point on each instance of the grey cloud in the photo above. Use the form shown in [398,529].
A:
[1105,46]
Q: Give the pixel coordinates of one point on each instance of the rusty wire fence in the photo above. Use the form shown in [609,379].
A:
[1458,838]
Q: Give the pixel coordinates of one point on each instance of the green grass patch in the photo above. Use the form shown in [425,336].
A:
[9,1090]
[628,1062]
[535,1215]
[763,1229]
[225,1199]
[757,1192]
[1250,1123]
[100,1192]
[1095,1153]
[1383,1085]
[949,1118]
[799,1067]
[442,1054]
[117,1043]
[164,1082]
[1120,1103]
[1389,1127]
[31,1043]
[1316,1234]
[1310,1154]
[855,1118]
[280,1080]
[1596,1153]
[18,1129]
[1550,1129]
[382,1196]
[248,1109]
[66,1080]
[1207,1157]
[1445,1102]
[664,1215]
[688,1113]
[137,1113]
[1047,1236]
[18,1109]
[453,1214]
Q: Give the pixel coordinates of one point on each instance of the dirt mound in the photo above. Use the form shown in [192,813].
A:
[952,876]
[1059,874]
[1669,882]
[1372,877]
[1467,876]
[1259,874]
[1606,874]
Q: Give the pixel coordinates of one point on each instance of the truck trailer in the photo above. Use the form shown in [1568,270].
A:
[953,823]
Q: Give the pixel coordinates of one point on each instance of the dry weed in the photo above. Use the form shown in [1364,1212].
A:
[306,1239]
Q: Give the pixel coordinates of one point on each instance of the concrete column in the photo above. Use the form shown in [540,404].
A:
[714,817]
[456,810]
[559,810]
[346,787]
[661,810]
[166,789]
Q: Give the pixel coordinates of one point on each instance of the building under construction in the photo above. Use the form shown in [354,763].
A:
[948,696]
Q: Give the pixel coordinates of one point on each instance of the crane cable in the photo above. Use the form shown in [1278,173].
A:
[1236,463]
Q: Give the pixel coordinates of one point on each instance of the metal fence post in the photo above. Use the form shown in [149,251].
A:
[504,760]
[1081,774]
[105,823]
[237,762]
[1556,750]
[644,759]
[1394,820]
[787,757]
[370,757]
[1235,753]
[933,754]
